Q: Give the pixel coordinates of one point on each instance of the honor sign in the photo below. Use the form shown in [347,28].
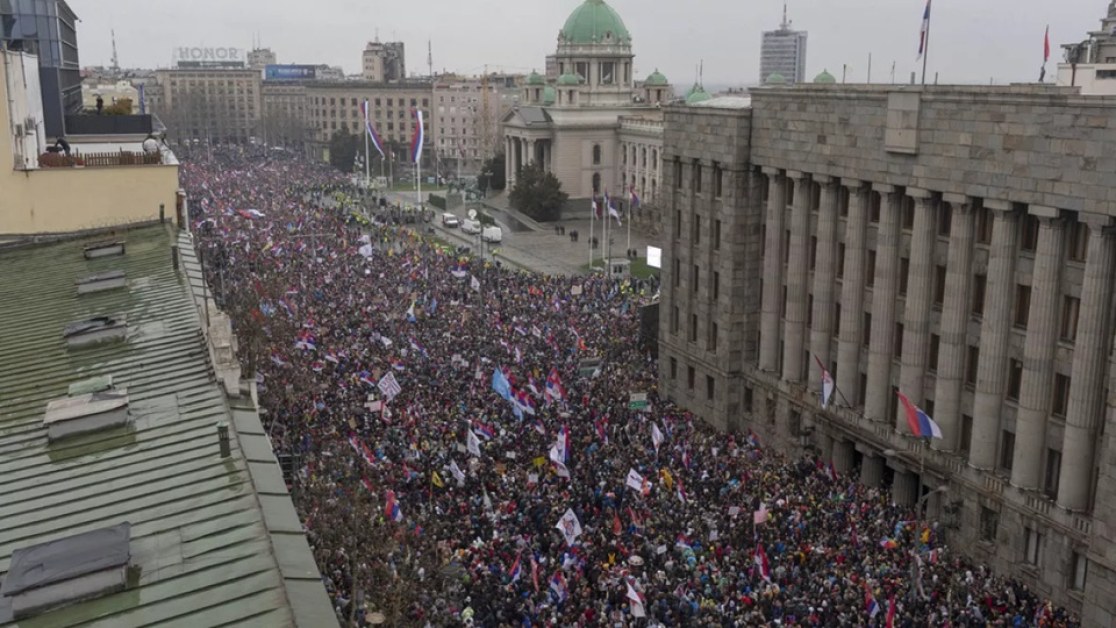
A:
[187,57]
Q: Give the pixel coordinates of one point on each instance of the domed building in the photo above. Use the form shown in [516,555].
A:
[590,121]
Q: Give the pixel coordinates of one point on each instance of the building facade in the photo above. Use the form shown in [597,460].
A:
[218,105]
[783,53]
[467,118]
[572,125]
[1091,64]
[956,244]
[383,62]
[260,58]
[48,30]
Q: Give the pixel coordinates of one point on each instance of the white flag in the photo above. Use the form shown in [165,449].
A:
[569,526]
[656,437]
[389,386]
[458,474]
[636,600]
[472,443]
[475,283]
[559,466]
[635,480]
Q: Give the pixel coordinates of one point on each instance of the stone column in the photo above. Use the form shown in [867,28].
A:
[825,445]
[842,456]
[871,471]
[904,488]
[1090,353]
[994,335]
[797,274]
[509,168]
[920,293]
[852,294]
[825,267]
[772,271]
[955,323]
[881,345]
[1039,351]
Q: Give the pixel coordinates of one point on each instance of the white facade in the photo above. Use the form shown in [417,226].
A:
[25,117]
[784,52]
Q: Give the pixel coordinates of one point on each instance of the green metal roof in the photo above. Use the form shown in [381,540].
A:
[775,79]
[204,550]
[697,94]
[825,78]
[535,79]
[595,22]
[656,78]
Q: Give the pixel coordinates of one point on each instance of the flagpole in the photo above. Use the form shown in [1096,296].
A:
[367,156]
[629,251]
[926,44]
[592,227]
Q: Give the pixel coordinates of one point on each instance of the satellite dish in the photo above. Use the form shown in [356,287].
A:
[472,214]
[150,145]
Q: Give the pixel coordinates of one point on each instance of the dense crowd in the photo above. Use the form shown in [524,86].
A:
[464,451]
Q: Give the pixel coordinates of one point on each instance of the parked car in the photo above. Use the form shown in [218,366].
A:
[492,234]
[451,221]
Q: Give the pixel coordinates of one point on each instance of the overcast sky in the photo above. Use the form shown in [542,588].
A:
[971,41]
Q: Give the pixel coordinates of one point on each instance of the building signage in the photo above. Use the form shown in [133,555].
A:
[208,54]
[290,72]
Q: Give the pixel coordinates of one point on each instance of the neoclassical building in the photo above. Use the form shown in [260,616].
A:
[595,126]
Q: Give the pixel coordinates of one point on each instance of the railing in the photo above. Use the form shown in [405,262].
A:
[101,160]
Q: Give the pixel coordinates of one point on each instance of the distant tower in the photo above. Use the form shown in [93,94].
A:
[783,53]
[115,58]
[430,57]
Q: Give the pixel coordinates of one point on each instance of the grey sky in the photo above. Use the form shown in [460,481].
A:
[971,40]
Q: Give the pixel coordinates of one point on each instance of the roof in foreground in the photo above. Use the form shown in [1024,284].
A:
[210,542]
[725,102]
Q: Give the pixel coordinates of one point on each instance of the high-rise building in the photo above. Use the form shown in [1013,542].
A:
[1091,64]
[783,53]
[47,29]
[467,113]
[813,271]
[259,58]
[214,104]
[383,62]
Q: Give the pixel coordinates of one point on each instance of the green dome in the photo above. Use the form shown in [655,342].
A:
[535,79]
[656,78]
[775,79]
[824,77]
[594,22]
[549,95]
[697,94]
[569,79]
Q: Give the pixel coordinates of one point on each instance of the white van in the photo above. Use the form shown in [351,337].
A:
[492,234]
[449,220]
[470,226]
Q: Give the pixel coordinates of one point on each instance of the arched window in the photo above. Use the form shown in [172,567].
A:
[596,183]
[643,158]
[624,152]
[596,155]
[654,189]
[654,159]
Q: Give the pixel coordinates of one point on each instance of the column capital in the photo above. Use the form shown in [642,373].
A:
[769,171]
[956,199]
[998,205]
[796,174]
[883,188]
[1042,211]
[919,193]
[852,184]
[824,179]
[1096,222]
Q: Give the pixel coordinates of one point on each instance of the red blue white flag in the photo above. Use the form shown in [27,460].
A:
[417,138]
[924,32]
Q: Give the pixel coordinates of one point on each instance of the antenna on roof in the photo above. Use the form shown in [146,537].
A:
[377,35]
[430,57]
[701,73]
[786,23]
[115,59]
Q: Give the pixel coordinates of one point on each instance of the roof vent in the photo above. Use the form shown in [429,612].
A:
[107,248]
[68,570]
[109,280]
[95,330]
[91,385]
[70,416]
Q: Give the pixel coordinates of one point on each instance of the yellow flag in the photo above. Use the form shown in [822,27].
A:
[667,478]
[437,480]
[540,461]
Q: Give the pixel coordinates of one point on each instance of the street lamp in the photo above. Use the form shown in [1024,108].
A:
[944,488]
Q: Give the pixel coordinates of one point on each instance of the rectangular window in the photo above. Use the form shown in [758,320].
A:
[696,233]
[989,524]
[693,327]
[984,219]
[904,272]
[711,342]
[1080,571]
[695,172]
[1061,394]
[690,376]
[836,320]
[908,213]
[1033,547]
[716,285]
[875,201]
[898,341]
[939,285]
[678,173]
[1022,306]
[674,320]
[1053,468]
[813,252]
[709,387]
[1015,379]
[809,313]
[1070,308]
[1029,242]
[870,270]
[1007,450]
[841,260]
[867,329]
[717,235]
[843,197]
[608,73]
[677,224]
[979,286]
[972,362]
[696,279]
[677,272]
[966,434]
[932,356]
[718,180]
[945,219]
[1078,242]
[673,368]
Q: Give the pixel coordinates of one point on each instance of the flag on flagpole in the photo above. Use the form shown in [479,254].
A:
[391,507]
[569,526]
[634,197]
[475,284]
[924,32]
[762,564]
[920,423]
[635,598]
[891,612]
[458,474]
[372,135]
[473,443]
[515,572]
[417,138]
[656,437]
[1046,45]
[870,604]
[828,385]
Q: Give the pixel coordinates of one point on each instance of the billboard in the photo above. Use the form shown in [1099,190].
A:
[194,57]
[290,72]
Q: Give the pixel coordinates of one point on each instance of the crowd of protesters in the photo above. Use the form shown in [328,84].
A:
[481,417]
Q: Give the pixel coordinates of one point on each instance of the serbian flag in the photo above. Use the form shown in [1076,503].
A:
[761,563]
[596,208]
[391,507]
[920,423]
[924,32]
[484,430]
[417,138]
[870,605]
[563,444]
[558,586]
[634,197]
[681,492]
[535,573]
[828,385]
[891,612]
[516,571]
[372,135]
[554,386]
